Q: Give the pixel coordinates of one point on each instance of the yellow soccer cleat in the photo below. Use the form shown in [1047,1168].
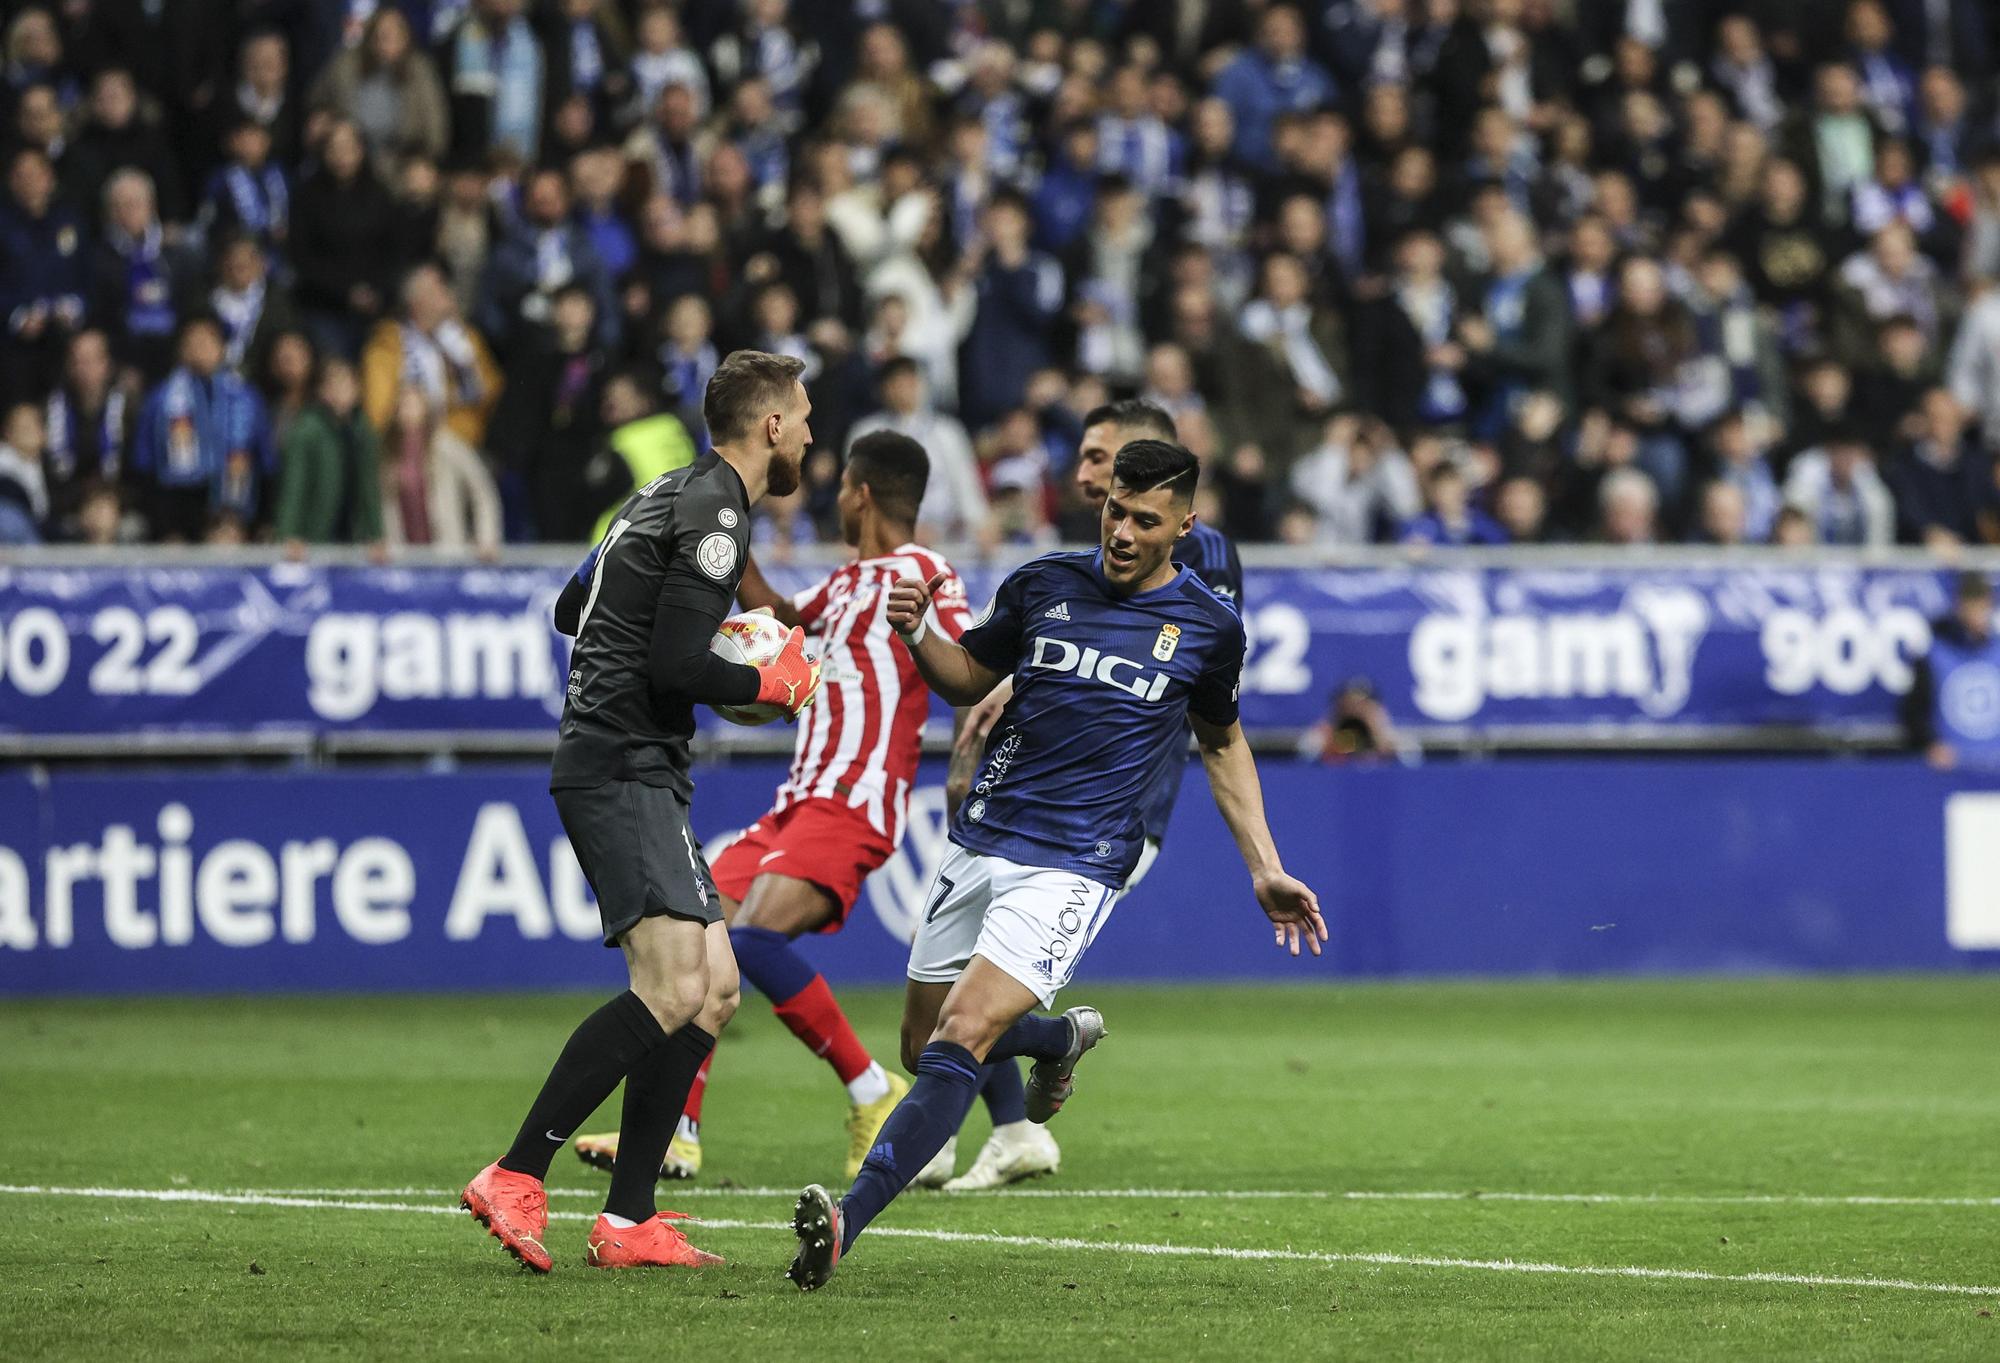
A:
[683,1159]
[864,1122]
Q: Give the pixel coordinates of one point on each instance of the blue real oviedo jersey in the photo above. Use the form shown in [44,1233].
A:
[1102,685]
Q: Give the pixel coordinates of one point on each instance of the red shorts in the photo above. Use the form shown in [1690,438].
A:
[821,841]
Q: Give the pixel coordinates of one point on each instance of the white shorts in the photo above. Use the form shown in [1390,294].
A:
[1032,922]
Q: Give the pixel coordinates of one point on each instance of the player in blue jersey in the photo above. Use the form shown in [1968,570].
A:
[1113,653]
[1018,1148]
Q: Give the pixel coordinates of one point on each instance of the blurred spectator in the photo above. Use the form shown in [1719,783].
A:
[1304,342]
[1273,77]
[1628,506]
[688,359]
[662,59]
[46,275]
[387,87]
[543,253]
[1357,728]
[586,52]
[143,285]
[342,243]
[547,425]
[1518,338]
[1358,484]
[1723,520]
[434,489]
[330,478]
[263,93]
[253,308]
[247,195]
[432,349]
[1521,507]
[1974,368]
[87,432]
[285,381]
[1020,291]
[494,73]
[203,444]
[117,136]
[1449,517]
[1838,489]
[1739,464]
[1945,493]
[1890,279]
[1951,713]
[641,443]
[24,494]
[954,508]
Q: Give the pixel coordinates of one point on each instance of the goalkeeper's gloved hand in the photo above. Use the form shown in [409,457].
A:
[790,680]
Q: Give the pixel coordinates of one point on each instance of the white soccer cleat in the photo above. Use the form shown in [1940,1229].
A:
[1013,1152]
[939,1171]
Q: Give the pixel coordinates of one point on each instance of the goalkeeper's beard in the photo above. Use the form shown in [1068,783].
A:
[781,479]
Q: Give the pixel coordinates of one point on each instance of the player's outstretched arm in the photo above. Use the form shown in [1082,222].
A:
[947,668]
[1290,904]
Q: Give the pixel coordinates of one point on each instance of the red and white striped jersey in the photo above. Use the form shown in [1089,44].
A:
[860,740]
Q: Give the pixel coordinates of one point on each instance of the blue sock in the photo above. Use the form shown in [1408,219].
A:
[769,962]
[929,1115]
[1006,1098]
[1045,1038]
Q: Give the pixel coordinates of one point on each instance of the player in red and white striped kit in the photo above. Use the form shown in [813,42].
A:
[841,812]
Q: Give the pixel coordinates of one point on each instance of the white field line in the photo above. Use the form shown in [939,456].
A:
[676,1192]
[197,1195]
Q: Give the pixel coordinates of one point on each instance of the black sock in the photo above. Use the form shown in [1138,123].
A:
[603,1048]
[655,1092]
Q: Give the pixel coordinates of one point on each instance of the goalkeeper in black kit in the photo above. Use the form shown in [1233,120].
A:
[643,608]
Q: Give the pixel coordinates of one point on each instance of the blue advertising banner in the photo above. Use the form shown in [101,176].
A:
[179,882]
[1502,651]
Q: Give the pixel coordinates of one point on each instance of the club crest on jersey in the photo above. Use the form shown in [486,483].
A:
[1169,640]
[717,555]
[1060,655]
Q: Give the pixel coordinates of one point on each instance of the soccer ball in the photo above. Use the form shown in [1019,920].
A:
[753,638]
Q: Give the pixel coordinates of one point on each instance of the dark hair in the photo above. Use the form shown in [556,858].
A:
[1134,414]
[1146,465]
[745,386]
[896,366]
[895,469]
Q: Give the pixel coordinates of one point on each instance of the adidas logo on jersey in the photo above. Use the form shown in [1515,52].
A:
[1046,968]
[1059,611]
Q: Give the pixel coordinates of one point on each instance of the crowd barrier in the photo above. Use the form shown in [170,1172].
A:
[182,881]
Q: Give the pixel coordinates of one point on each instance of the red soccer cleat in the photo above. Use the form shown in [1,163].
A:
[515,1209]
[655,1243]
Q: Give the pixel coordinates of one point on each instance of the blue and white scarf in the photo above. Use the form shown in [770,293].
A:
[149,295]
[65,426]
[261,202]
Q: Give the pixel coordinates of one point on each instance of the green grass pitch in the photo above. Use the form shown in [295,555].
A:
[1813,1163]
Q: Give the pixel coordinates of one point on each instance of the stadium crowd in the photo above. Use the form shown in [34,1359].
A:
[455,272]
